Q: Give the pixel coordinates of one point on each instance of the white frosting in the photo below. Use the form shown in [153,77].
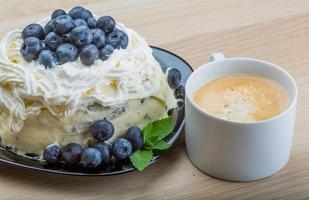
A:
[27,87]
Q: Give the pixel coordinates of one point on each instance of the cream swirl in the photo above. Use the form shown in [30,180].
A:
[27,87]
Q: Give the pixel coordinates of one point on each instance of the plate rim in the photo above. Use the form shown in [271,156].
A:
[131,169]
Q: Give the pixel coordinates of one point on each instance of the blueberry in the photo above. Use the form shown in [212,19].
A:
[91,158]
[67,53]
[104,149]
[174,78]
[134,135]
[80,22]
[52,41]
[52,154]
[91,22]
[79,12]
[118,39]
[121,149]
[86,14]
[106,23]
[180,92]
[33,30]
[89,54]
[124,40]
[48,27]
[48,58]
[81,36]
[63,24]
[102,130]
[71,153]
[76,12]
[98,37]
[31,48]
[66,38]
[57,13]
[106,52]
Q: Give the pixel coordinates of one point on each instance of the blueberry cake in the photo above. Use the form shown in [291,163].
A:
[74,79]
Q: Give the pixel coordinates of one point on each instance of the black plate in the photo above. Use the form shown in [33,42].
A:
[166,59]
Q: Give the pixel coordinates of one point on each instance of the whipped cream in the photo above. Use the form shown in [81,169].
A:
[26,88]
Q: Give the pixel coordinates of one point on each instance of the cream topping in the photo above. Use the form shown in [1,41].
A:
[27,87]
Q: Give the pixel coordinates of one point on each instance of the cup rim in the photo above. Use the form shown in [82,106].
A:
[207,114]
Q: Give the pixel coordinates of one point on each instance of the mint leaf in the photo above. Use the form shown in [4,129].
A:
[157,130]
[153,134]
[161,145]
[147,133]
[163,127]
[141,158]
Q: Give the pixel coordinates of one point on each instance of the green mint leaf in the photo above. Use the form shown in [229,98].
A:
[157,130]
[141,158]
[147,133]
[163,127]
[161,145]
[153,134]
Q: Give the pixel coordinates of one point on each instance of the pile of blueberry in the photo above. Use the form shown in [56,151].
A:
[68,36]
[101,153]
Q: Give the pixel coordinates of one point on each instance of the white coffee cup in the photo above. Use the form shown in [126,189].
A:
[238,151]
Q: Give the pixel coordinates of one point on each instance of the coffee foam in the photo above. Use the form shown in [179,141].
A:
[240,103]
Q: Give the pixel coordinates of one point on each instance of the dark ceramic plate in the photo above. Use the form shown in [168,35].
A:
[166,59]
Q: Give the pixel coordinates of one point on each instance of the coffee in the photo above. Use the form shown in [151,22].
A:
[242,97]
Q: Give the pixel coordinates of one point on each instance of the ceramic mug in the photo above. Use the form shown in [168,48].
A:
[238,151]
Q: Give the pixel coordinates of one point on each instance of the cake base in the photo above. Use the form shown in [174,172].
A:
[45,129]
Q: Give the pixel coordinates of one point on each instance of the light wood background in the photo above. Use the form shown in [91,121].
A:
[274,30]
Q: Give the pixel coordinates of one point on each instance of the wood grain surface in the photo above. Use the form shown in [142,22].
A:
[276,30]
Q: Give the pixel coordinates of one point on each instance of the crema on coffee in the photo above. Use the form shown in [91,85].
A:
[242,97]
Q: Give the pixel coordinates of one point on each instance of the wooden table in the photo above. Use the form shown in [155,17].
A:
[276,30]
